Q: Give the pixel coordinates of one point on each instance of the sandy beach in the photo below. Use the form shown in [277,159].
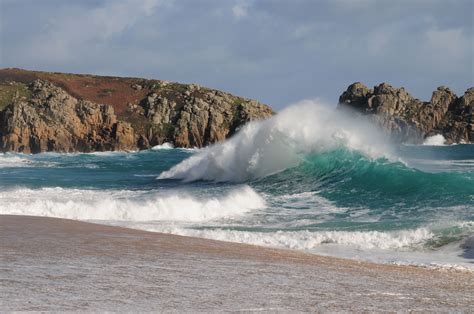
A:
[50,264]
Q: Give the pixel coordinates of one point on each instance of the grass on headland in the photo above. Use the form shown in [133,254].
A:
[9,91]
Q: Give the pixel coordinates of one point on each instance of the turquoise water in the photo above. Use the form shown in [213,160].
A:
[338,191]
[267,186]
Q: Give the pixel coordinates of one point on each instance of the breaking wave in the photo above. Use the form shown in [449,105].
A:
[266,147]
[308,240]
[435,140]
[315,178]
[127,205]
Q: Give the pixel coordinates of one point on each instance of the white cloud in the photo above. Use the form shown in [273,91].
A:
[76,27]
[325,47]
[240,10]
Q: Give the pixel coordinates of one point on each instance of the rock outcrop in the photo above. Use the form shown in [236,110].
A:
[46,117]
[410,120]
[196,116]
[44,111]
[52,120]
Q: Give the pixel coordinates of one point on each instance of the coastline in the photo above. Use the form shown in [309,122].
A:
[60,265]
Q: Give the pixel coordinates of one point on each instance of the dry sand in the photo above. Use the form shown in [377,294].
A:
[49,264]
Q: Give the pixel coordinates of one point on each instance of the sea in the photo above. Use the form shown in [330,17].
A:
[312,178]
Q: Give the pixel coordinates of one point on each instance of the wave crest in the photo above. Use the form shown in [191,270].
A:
[265,147]
[127,205]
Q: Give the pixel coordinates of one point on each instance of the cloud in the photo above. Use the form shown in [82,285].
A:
[274,51]
[423,43]
[75,27]
[240,10]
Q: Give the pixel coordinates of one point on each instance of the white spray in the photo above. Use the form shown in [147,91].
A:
[130,206]
[265,147]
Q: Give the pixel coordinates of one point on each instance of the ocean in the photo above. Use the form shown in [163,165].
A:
[312,178]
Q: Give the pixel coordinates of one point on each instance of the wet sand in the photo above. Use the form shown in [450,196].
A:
[49,264]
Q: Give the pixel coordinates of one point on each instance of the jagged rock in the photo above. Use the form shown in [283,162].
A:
[410,120]
[356,96]
[52,120]
[458,124]
[196,117]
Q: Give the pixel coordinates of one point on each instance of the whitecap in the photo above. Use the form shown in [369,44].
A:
[128,206]
[261,148]
[163,146]
[435,140]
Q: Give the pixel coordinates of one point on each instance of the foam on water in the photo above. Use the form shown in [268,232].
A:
[317,179]
[168,146]
[435,140]
[163,146]
[308,240]
[263,148]
[403,247]
[11,160]
[128,206]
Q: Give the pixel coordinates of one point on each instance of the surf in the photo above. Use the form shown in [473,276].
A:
[128,205]
[266,147]
[310,178]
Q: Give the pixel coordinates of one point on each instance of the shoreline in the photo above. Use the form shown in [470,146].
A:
[61,264]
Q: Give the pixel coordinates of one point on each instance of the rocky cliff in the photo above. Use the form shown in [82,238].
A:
[42,111]
[52,120]
[410,120]
[193,116]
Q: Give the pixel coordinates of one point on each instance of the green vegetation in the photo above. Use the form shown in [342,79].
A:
[178,88]
[106,92]
[164,130]
[10,91]
[238,101]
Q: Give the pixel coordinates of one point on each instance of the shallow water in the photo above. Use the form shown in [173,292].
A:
[63,265]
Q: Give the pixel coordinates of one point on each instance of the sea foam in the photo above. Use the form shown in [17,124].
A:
[435,140]
[12,160]
[163,146]
[128,205]
[265,147]
[308,240]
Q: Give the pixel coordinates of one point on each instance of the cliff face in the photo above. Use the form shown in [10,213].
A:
[42,111]
[37,115]
[195,116]
[410,120]
[52,120]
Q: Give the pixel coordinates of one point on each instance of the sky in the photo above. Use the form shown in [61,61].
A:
[276,51]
